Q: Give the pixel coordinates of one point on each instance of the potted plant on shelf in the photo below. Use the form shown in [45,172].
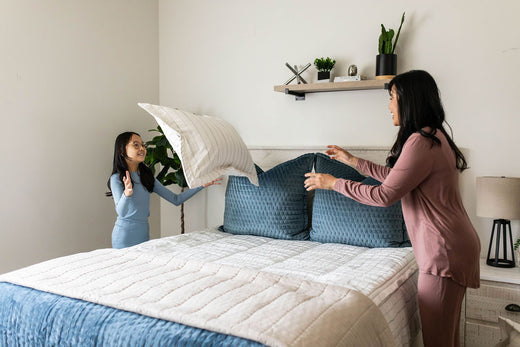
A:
[160,152]
[386,60]
[516,247]
[324,66]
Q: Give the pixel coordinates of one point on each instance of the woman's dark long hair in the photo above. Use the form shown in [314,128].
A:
[420,106]
[119,164]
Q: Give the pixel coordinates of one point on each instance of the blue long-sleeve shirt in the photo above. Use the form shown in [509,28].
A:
[137,206]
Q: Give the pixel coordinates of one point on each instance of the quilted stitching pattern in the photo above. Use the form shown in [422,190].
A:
[337,218]
[277,208]
[61,321]
[272,308]
[370,271]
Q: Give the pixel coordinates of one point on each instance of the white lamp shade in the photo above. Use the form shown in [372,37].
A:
[498,197]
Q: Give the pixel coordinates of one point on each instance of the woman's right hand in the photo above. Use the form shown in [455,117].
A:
[338,153]
[127,181]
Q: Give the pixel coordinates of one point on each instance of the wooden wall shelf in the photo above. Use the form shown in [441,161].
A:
[299,90]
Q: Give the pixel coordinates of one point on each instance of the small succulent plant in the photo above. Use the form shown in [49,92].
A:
[323,64]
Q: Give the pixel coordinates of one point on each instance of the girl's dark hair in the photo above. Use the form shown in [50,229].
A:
[119,165]
[420,106]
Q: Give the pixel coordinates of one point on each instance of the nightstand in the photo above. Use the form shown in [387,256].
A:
[499,287]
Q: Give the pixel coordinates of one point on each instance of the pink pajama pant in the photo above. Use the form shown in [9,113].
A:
[440,303]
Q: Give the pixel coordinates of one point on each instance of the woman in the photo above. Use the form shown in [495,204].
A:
[130,184]
[422,172]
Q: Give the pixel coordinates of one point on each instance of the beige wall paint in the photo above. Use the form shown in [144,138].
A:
[224,57]
[72,73]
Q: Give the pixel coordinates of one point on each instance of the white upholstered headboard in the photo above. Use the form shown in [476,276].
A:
[268,157]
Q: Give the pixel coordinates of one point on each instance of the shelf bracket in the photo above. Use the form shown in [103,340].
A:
[297,96]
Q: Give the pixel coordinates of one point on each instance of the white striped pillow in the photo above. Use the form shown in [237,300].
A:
[208,147]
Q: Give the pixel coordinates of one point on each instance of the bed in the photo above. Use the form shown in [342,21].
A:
[283,273]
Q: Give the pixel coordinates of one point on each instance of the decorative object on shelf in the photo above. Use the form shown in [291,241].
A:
[386,60]
[297,73]
[352,75]
[349,78]
[352,70]
[499,198]
[324,66]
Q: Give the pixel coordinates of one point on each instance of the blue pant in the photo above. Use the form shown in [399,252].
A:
[128,233]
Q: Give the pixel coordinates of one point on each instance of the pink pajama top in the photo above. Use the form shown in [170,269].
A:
[426,180]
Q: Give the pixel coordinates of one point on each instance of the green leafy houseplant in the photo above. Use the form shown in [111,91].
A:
[385,39]
[160,152]
[323,64]
[517,244]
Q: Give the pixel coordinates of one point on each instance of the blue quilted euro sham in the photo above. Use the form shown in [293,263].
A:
[277,208]
[339,219]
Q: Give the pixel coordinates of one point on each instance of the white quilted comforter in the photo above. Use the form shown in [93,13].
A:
[280,293]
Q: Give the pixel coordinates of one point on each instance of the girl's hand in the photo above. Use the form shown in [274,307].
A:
[319,181]
[217,182]
[129,190]
[342,155]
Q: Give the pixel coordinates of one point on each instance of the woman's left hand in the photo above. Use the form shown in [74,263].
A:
[319,181]
[217,181]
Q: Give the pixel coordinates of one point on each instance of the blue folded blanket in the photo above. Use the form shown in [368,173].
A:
[30,317]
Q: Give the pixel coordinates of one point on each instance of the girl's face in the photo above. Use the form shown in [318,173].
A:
[394,107]
[135,151]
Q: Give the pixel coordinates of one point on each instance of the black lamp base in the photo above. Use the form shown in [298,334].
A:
[501,225]
[500,263]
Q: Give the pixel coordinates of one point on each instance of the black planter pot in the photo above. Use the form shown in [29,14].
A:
[323,75]
[386,66]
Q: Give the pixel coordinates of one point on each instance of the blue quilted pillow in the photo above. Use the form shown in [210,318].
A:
[277,208]
[339,219]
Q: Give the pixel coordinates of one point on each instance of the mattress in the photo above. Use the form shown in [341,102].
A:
[386,276]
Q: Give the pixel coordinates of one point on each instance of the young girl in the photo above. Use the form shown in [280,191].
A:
[424,164]
[130,184]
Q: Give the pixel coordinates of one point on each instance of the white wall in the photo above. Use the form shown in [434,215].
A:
[71,74]
[224,57]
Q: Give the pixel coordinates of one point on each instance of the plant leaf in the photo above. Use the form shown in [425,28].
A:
[381,43]
[169,179]
[388,43]
[162,173]
[383,38]
[181,180]
[398,32]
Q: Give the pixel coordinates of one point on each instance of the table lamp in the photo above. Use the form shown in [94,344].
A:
[499,198]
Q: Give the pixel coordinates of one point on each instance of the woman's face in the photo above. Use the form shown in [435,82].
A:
[394,107]
[135,150]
